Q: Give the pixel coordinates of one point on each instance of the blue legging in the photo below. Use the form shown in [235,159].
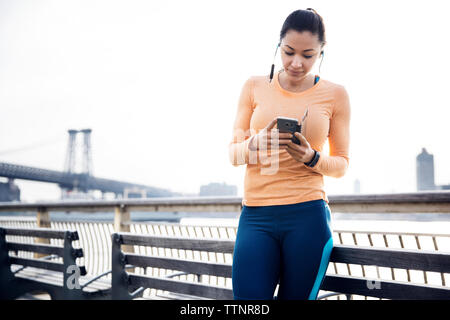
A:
[286,244]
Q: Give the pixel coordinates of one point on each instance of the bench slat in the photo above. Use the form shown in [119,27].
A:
[56,279]
[210,245]
[394,258]
[179,286]
[387,289]
[40,248]
[43,264]
[39,232]
[194,267]
[43,276]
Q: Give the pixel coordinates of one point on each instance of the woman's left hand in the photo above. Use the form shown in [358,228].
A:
[301,153]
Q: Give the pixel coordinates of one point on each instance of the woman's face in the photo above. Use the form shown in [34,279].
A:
[299,52]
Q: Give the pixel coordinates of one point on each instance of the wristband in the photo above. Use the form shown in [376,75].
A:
[314,160]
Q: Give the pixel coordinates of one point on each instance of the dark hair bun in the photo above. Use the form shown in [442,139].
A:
[304,20]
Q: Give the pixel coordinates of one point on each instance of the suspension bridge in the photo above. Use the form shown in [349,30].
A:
[70,181]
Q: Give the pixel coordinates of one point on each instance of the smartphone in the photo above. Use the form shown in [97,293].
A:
[291,125]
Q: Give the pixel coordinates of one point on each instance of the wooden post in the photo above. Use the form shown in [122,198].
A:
[43,221]
[122,224]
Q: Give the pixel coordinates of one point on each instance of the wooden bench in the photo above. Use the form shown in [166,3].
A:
[123,282]
[126,285]
[391,258]
[66,280]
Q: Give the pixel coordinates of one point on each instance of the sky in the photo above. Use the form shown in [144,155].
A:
[158,83]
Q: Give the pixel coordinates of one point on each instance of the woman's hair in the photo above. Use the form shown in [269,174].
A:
[305,20]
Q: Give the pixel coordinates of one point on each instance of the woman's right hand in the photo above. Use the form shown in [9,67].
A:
[269,137]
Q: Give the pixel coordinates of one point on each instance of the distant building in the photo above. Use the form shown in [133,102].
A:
[9,191]
[134,193]
[425,171]
[218,189]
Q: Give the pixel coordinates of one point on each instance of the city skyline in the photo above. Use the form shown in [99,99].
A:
[425,181]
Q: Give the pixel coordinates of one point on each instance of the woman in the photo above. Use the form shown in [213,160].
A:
[284,234]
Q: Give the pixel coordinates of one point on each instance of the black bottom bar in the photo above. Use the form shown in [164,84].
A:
[230,309]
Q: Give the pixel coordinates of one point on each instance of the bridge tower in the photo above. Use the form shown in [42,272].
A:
[87,154]
[71,162]
[69,166]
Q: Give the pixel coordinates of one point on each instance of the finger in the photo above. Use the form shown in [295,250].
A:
[271,124]
[290,151]
[273,133]
[293,153]
[280,141]
[285,135]
[293,144]
[285,142]
[282,135]
[302,139]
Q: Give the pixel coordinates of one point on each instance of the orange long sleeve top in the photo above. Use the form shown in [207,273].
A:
[274,177]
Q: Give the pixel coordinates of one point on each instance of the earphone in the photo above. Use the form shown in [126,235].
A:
[273,63]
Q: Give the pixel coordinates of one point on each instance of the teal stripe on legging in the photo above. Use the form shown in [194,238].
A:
[322,269]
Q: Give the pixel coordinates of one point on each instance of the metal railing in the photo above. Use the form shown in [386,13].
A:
[95,237]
